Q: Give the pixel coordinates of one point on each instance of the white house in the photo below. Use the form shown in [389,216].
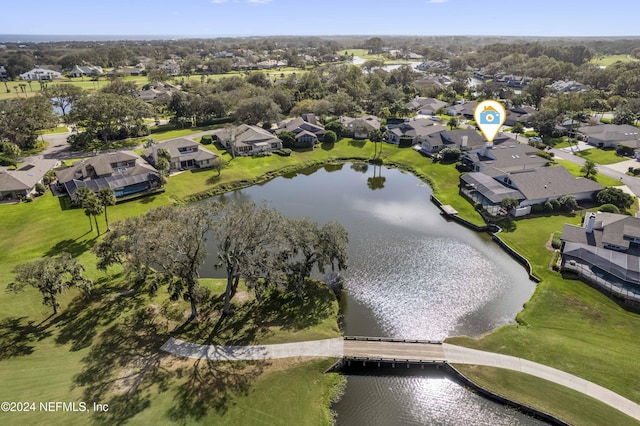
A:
[41,74]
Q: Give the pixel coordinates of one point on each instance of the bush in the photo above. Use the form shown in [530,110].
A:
[568,203]
[548,207]
[40,188]
[556,205]
[7,162]
[450,155]
[555,240]
[537,208]
[608,208]
[206,140]
[615,196]
[330,137]
[624,150]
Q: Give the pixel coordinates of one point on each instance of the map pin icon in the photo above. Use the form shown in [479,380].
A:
[489,117]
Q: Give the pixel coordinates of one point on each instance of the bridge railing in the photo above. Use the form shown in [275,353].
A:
[391,339]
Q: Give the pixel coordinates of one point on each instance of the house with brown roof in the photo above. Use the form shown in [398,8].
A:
[122,171]
[184,154]
[248,140]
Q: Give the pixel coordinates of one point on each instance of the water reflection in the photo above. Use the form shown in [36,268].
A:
[429,399]
[411,274]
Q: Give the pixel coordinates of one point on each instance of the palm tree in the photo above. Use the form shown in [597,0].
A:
[107,198]
[453,123]
[79,199]
[589,170]
[94,208]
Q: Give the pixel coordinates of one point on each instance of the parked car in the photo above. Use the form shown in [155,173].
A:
[535,139]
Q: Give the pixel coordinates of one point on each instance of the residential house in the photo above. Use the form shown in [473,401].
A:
[41,74]
[425,106]
[514,81]
[307,129]
[611,135]
[85,70]
[499,160]
[440,81]
[158,91]
[428,64]
[520,114]
[184,154]
[606,250]
[564,86]
[122,171]
[21,183]
[248,140]
[530,187]
[170,66]
[412,132]
[360,127]
[466,109]
[463,139]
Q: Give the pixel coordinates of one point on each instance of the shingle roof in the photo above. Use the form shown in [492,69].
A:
[551,182]
[493,190]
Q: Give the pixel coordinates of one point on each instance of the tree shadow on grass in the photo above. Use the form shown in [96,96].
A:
[75,247]
[125,368]
[78,324]
[212,385]
[358,143]
[291,311]
[18,336]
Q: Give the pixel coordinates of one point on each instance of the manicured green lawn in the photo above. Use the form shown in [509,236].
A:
[574,169]
[568,405]
[612,59]
[601,156]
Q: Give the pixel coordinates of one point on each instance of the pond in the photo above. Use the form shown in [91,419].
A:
[411,275]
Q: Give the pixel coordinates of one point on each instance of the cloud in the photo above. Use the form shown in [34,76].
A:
[438,1]
[259,1]
[218,1]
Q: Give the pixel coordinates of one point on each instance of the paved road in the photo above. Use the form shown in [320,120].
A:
[415,351]
[633,183]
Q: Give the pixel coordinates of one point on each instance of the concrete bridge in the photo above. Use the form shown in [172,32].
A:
[385,350]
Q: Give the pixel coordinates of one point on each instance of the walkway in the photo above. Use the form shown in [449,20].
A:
[427,352]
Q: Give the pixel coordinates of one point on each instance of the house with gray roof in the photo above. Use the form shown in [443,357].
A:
[85,70]
[184,154]
[605,250]
[307,129]
[425,106]
[248,140]
[412,132]
[20,183]
[564,86]
[122,171]
[499,160]
[463,139]
[611,135]
[360,127]
[463,108]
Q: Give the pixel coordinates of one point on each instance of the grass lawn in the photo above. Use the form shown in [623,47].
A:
[59,129]
[601,156]
[574,169]
[612,59]
[569,405]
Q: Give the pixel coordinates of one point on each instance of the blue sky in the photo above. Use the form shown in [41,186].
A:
[213,18]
